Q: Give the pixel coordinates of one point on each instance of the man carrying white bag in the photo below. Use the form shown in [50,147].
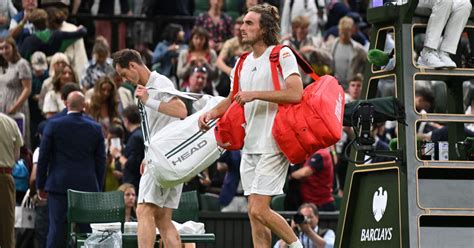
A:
[180,150]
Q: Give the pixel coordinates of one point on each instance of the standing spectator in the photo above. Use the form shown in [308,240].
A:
[263,167]
[15,85]
[10,143]
[199,54]
[316,178]
[58,61]
[76,52]
[7,11]
[99,66]
[310,234]
[102,105]
[53,103]
[307,8]
[39,65]
[69,160]
[125,92]
[165,55]
[349,57]
[230,52]
[450,16]
[155,204]
[132,157]
[218,23]
[20,25]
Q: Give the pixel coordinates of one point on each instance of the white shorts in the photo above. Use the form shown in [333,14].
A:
[263,174]
[151,192]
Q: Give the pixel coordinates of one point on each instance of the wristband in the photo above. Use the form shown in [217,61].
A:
[153,104]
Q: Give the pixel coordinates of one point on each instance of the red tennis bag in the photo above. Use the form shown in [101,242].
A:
[229,130]
[316,122]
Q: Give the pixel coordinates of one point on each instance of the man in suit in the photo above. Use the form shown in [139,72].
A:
[72,156]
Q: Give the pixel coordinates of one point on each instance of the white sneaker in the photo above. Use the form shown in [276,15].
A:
[429,58]
[446,60]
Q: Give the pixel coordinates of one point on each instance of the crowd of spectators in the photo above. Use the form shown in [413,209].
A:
[43,59]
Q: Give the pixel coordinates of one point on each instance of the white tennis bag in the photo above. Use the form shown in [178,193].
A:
[180,151]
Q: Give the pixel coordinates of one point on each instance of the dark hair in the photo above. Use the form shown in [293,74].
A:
[68,88]
[358,77]
[98,99]
[116,130]
[171,31]
[309,205]
[269,22]
[16,55]
[56,17]
[426,94]
[132,114]
[125,56]
[39,18]
[201,32]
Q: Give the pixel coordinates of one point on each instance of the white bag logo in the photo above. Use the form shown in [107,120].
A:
[379,203]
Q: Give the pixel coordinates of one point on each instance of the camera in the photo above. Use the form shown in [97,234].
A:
[301,219]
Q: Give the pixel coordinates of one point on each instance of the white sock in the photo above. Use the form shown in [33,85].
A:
[296,244]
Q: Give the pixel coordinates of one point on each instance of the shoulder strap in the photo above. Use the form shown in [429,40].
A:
[275,64]
[237,70]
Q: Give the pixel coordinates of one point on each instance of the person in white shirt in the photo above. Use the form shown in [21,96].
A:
[311,235]
[263,166]
[155,204]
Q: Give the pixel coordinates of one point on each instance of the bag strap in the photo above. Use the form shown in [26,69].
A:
[237,70]
[275,65]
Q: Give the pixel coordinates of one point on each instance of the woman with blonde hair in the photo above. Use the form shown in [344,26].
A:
[103,102]
[129,196]
[53,103]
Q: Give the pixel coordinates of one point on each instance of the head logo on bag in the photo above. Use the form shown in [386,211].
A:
[187,153]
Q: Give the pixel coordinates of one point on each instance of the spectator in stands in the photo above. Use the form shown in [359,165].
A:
[311,47]
[199,54]
[20,25]
[69,160]
[39,65]
[247,4]
[52,101]
[104,27]
[131,158]
[294,8]
[102,103]
[230,52]
[316,178]
[197,83]
[130,198]
[99,66]
[125,92]
[165,55]
[15,85]
[450,16]
[10,143]
[76,52]
[7,11]
[46,40]
[355,88]
[116,133]
[58,61]
[229,201]
[356,33]
[349,57]
[218,23]
[310,234]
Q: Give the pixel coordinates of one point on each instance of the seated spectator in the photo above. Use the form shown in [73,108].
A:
[355,88]
[218,23]
[129,197]
[165,55]
[310,234]
[312,48]
[450,16]
[99,66]
[316,178]
[39,66]
[356,35]
[46,40]
[102,103]
[7,11]
[199,54]
[53,103]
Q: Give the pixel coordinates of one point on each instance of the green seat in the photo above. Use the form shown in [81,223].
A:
[278,202]
[209,202]
[94,207]
[188,208]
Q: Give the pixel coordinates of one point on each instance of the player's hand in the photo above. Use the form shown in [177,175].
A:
[142,93]
[244,97]
[203,120]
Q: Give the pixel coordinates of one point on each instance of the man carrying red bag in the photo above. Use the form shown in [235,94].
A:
[263,168]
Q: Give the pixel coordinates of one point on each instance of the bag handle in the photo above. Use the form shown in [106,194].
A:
[275,65]
[237,70]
